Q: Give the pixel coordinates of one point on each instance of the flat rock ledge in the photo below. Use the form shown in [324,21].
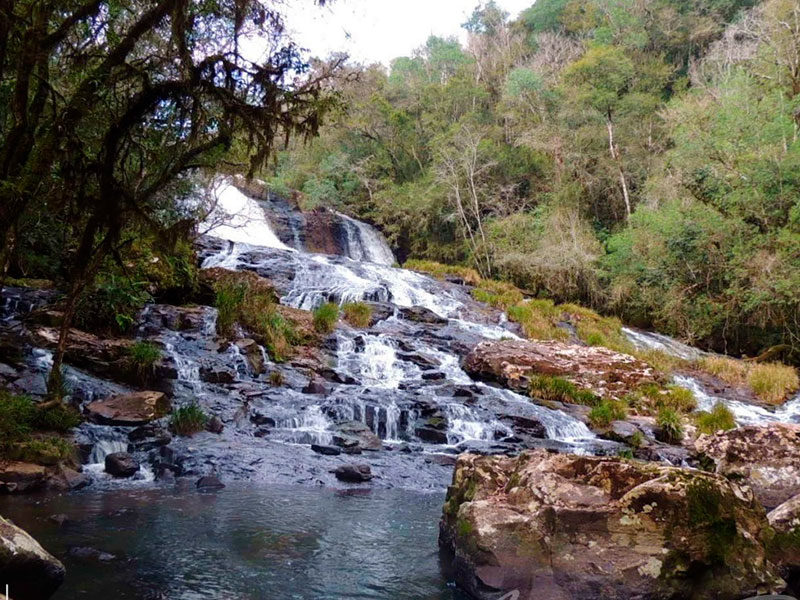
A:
[564,527]
[600,370]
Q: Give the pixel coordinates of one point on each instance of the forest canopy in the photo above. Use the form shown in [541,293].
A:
[640,156]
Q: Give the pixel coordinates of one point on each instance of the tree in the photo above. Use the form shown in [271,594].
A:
[111,104]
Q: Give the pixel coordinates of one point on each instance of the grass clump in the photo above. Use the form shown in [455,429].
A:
[538,319]
[188,420]
[325,318]
[143,356]
[22,425]
[594,329]
[718,418]
[440,271]
[649,398]
[276,378]
[771,382]
[670,427]
[558,389]
[497,293]
[606,411]
[358,314]
[245,300]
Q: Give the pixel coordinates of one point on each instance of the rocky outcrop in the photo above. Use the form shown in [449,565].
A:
[767,457]
[563,526]
[600,370]
[22,477]
[135,408]
[785,520]
[30,572]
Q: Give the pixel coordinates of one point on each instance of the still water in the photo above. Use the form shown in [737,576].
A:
[243,542]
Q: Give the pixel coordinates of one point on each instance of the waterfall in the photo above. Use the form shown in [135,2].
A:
[372,359]
[239,218]
[466,424]
[364,243]
[648,340]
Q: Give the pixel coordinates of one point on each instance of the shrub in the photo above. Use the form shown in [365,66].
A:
[188,420]
[358,314]
[325,317]
[20,419]
[59,418]
[16,417]
[606,411]
[111,300]
[670,427]
[678,398]
[49,450]
[772,382]
[143,357]
[558,389]
[719,418]
[440,271]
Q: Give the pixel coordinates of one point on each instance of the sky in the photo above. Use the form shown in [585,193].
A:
[380,30]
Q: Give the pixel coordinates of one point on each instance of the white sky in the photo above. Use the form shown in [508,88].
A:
[380,30]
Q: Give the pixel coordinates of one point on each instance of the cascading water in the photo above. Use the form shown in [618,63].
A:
[648,340]
[364,243]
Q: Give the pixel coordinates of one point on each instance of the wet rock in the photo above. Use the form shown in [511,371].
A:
[121,464]
[217,375]
[353,473]
[380,312]
[177,318]
[135,408]
[20,477]
[564,526]
[599,370]
[252,352]
[434,376]
[421,360]
[259,418]
[445,460]
[326,450]
[88,554]
[86,350]
[209,482]
[315,386]
[149,436]
[64,479]
[431,435]
[621,431]
[215,425]
[767,457]
[420,314]
[355,433]
[30,572]
[261,432]
[527,425]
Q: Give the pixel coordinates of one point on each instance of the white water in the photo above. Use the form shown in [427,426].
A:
[365,243]
[239,218]
[648,340]
[376,364]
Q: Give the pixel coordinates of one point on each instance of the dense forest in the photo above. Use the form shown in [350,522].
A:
[637,156]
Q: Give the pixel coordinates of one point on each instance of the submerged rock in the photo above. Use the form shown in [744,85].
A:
[326,450]
[599,370]
[353,473]
[564,526]
[135,408]
[28,569]
[209,482]
[766,456]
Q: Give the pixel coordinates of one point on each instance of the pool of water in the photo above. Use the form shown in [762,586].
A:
[244,542]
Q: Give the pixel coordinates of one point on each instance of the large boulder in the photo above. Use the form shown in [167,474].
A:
[30,572]
[21,477]
[600,370]
[121,464]
[561,526]
[785,520]
[767,457]
[355,434]
[135,408]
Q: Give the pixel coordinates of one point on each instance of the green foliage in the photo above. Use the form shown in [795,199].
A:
[111,304]
[16,417]
[325,317]
[441,271]
[773,382]
[358,314]
[144,356]
[670,426]
[558,389]
[720,418]
[20,422]
[188,420]
[499,294]
[606,411]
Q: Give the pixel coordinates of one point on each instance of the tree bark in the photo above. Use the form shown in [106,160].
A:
[618,159]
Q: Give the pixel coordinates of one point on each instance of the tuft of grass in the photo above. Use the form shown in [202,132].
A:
[497,293]
[772,382]
[143,356]
[358,314]
[670,427]
[606,411]
[246,300]
[719,418]
[596,330]
[649,398]
[325,318]
[558,389]
[21,419]
[17,414]
[188,420]
[538,319]
[440,271]
[276,378]
[678,398]
[636,440]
